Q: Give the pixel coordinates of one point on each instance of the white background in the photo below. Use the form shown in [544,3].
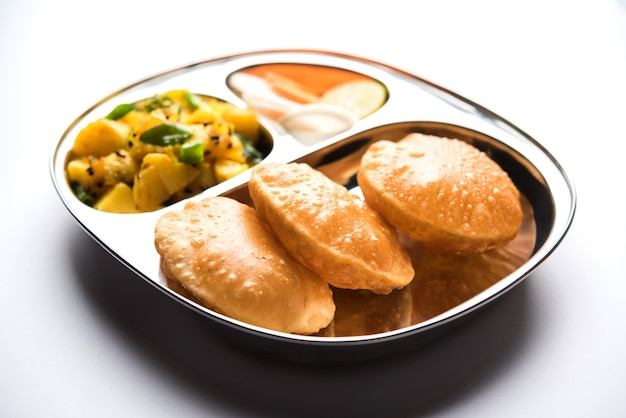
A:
[80,336]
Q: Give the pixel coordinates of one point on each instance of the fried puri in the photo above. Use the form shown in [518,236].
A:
[442,192]
[225,256]
[328,229]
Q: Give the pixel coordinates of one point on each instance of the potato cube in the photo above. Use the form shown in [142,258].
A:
[149,192]
[225,146]
[204,114]
[119,199]
[245,122]
[119,167]
[225,168]
[101,137]
[87,171]
[174,174]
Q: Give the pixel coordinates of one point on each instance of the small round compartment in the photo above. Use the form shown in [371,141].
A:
[310,102]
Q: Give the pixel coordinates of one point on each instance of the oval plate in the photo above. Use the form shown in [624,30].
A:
[445,289]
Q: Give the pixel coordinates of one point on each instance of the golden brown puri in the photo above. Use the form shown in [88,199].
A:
[328,229]
[223,254]
[442,192]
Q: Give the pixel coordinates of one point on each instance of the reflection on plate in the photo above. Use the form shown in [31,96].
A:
[443,282]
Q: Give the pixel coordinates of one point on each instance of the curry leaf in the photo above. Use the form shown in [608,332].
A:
[252,154]
[165,134]
[120,111]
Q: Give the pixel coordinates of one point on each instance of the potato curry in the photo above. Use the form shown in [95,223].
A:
[144,156]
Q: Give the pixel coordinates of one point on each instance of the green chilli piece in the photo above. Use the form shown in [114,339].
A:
[120,111]
[192,152]
[168,133]
[192,100]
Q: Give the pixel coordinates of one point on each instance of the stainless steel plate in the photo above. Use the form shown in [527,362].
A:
[445,290]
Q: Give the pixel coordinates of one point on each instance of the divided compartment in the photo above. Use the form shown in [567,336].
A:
[309,102]
[209,121]
[441,282]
